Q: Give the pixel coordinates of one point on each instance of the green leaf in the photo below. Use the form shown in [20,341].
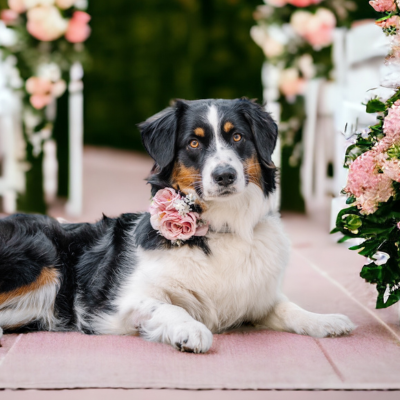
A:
[350,200]
[344,238]
[375,105]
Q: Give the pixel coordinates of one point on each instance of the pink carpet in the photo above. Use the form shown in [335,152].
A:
[322,277]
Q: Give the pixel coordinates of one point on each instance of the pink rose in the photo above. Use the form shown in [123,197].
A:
[39,101]
[202,230]
[173,226]
[164,200]
[383,5]
[78,30]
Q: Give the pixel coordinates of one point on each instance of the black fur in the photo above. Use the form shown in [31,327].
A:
[94,259]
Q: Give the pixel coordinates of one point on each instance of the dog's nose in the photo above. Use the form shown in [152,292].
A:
[224,175]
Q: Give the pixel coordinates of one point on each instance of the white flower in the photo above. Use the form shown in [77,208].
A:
[379,258]
[81,4]
[65,4]
[182,207]
[306,66]
[276,3]
[269,44]
[50,71]
[300,20]
[8,36]
[33,3]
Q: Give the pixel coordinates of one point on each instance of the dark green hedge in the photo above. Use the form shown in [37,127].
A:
[145,53]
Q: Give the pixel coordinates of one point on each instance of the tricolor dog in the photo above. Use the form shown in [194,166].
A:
[209,257]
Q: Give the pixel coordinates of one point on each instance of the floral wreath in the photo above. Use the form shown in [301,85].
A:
[176,217]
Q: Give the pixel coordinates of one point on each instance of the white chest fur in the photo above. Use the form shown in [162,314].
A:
[237,282]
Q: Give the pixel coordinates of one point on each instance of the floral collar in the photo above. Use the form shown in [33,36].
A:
[176,217]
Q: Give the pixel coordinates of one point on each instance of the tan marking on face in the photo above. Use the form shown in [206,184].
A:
[199,132]
[228,126]
[184,177]
[47,276]
[253,171]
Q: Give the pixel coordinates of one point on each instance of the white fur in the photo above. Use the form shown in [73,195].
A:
[35,305]
[222,155]
[180,296]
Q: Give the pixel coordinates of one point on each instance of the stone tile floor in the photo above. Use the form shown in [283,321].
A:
[322,276]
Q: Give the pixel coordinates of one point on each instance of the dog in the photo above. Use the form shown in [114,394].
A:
[121,276]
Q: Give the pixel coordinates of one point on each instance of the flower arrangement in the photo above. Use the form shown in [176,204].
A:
[373,186]
[173,215]
[41,39]
[296,36]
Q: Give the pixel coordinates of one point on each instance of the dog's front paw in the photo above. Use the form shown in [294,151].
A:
[330,325]
[192,337]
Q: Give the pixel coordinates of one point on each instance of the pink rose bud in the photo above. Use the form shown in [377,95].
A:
[78,30]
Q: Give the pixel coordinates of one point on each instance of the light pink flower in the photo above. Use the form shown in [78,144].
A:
[391,128]
[391,168]
[46,23]
[36,85]
[164,200]
[367,183]
[174,226]
[303,3]
[78,29]
[39,101]
[398,225]
[17,5]
[387,23]
[290,83]
[65,4]
[202,230]
[317,29]
[383,5]
[9,16]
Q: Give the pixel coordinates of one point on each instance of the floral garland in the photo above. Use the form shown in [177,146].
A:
[174,216]
[41,39]
[373,186]
[296,36]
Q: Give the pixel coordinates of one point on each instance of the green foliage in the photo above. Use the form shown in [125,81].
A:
[375,105]
[145,53]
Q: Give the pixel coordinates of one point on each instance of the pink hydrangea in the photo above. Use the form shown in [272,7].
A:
[367,183]
[391,168]
[391,128]
[383,5]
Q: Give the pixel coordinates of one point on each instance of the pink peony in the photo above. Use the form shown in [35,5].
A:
[174,226]
[8,16]
[39,101]
[78,30]
[383,5]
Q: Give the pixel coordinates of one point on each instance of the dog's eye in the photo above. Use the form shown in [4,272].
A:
[194,144]
[237,137]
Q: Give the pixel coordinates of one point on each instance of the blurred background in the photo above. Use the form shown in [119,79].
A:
[122,61]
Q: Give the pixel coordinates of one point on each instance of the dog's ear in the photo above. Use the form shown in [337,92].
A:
[264,129]
[159,133]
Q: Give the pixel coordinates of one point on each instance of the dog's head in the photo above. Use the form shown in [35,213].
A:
[215,147]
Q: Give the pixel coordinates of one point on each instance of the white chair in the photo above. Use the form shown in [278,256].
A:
[358,57]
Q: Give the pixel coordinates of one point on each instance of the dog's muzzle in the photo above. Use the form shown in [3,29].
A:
[224,176]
